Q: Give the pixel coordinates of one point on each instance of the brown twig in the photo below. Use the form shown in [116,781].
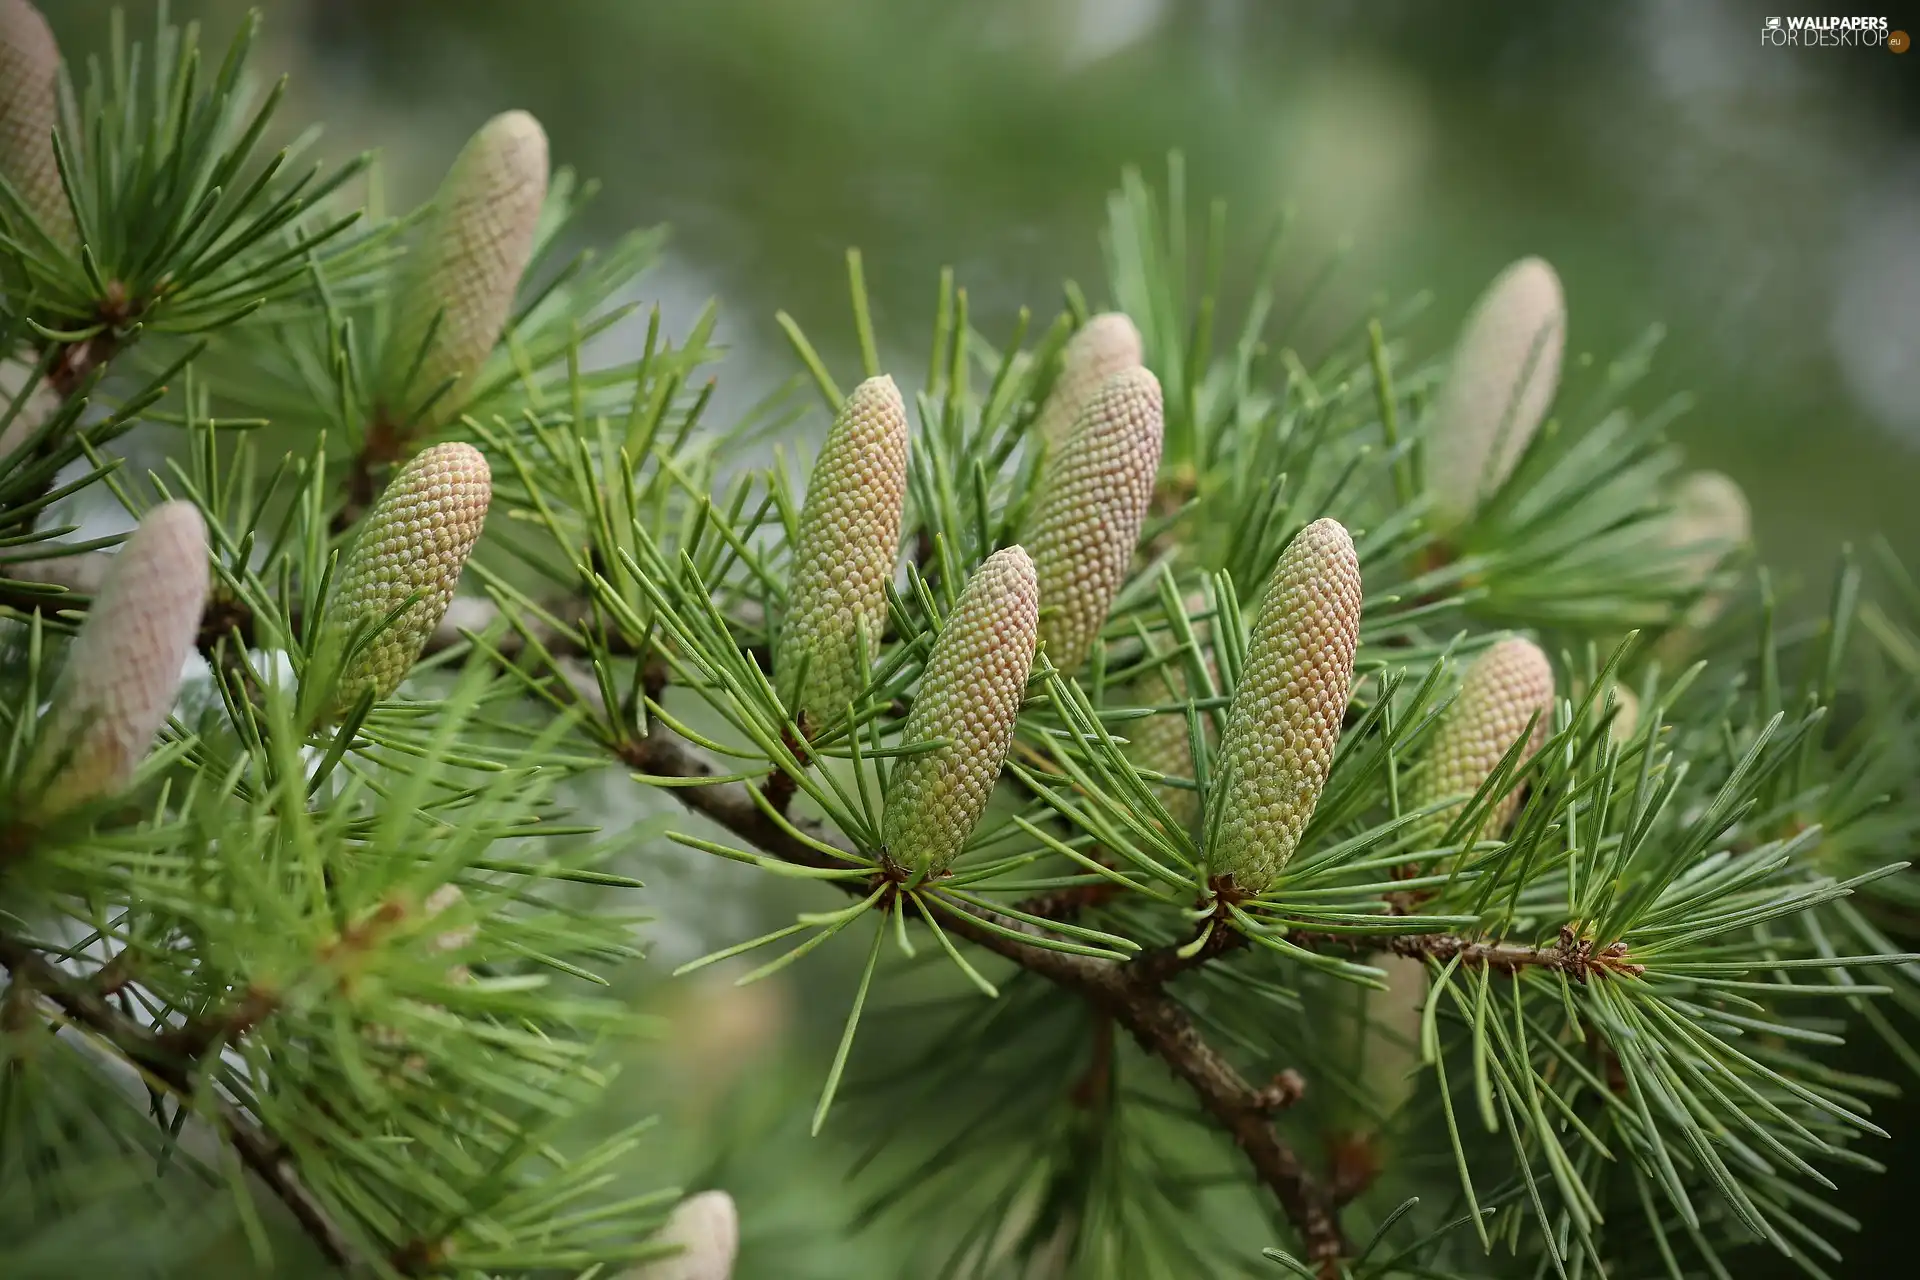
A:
[1570,954]
[385,444]
[84,1006]
[1133,1000]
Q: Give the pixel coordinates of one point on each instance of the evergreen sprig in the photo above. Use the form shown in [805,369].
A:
[1380,877]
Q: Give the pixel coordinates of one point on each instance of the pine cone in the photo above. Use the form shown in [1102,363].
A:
[707,1229]
[29,86]
[1087,522]
[1506,369]
[416,540]
[970,694]
[124,668]
[465,267]
[1107,344]
[843,561]
[1286,714]
[1503,688]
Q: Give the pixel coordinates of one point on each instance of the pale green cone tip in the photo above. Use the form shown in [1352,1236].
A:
[416,540]
[1286,714]
[970,695]
[1087,522]
[706,1227]
[1710,520]
[1105,345]
[465,266]
[29,86]
[844,558]
[1505,687]
[1506,369]
[124,668]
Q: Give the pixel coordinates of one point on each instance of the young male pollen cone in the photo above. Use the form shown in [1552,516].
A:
[457,286]
[706,1230]
[29,109]
[1087,522]
[1506,687]
[1105,345]
[124,669]
[970,695]
[411,553]
[1286,714]
[844,558]
[1506,369]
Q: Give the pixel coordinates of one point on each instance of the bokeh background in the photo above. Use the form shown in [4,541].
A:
[1760,203]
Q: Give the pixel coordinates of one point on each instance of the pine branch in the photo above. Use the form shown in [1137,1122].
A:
[51,585]
[1134,1000]
[165,1064]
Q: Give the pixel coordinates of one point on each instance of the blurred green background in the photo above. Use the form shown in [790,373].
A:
[1759,202]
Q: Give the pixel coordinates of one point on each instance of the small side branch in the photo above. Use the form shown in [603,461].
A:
[83,1005]
[1132,998]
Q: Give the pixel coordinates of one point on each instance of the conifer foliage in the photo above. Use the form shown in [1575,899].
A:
[1137,697]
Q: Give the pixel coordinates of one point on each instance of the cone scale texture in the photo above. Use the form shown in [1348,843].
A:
[466,265]
[707,1229]
[1087,522]
[416,540]
[124,669]
[1505,371]
[970,695]
[844,558]
[1286,714]
[29,80]
[1107,344]
[1504,688]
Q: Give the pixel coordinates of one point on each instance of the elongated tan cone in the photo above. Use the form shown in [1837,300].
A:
[970,695]
[124,669]
[707,1229]
[1107,344]
[465,267]
[843,560]
[1087,521]
[1506,686]
[415,544]
[1287,711]
[29,82]
[1505,371]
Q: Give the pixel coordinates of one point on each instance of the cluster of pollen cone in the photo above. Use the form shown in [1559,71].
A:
[1102,425]
[392,586]
[124,669]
